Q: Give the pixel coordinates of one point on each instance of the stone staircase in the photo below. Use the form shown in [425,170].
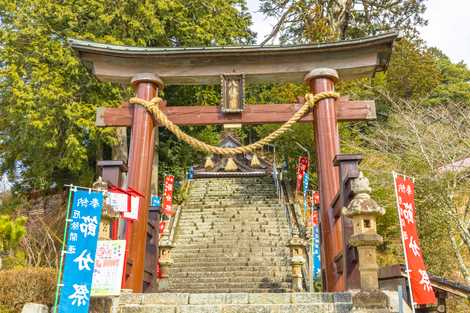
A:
[231,237]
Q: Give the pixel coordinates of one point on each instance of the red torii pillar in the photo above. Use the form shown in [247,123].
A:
[327,147]
[139,175]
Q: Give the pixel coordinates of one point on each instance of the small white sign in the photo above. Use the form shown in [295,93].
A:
[109,264]
[117,201]
[134,213]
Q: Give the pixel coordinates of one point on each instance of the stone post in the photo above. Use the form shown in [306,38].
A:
[165,262]
[364,210]
[297,246]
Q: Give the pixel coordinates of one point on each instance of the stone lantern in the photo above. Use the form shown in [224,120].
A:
[297,246]
[363,210]
[107,214]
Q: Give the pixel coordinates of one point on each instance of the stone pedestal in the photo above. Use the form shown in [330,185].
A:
[366,245]
[297,246]
[165,263]
[370,301]
[297,263]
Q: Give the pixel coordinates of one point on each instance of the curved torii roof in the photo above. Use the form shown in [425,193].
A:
[204,65]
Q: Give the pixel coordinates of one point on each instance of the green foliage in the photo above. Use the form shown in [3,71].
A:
[11,232]
[23,285]
[421,141]
[48,99]
[454,86]
[325,20]
[413,71]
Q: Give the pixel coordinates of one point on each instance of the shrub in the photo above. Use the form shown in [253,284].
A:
[22,285]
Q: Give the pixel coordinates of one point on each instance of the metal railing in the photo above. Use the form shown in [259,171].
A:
[294,217]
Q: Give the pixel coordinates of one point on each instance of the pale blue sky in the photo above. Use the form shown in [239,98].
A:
[448,27]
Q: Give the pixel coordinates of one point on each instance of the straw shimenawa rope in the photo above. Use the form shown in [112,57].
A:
[152,107]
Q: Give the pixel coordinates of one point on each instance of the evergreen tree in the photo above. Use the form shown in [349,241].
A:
[300,21]
[48,99]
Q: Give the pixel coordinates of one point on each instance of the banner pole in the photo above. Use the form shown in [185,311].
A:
[62,251]
[403,241]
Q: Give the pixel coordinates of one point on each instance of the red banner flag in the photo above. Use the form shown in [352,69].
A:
[301,168]
[316,198]
[421,289]
[168,195]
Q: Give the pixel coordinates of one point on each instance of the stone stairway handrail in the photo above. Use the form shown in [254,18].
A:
[293,216]
[169,234]
[174,225]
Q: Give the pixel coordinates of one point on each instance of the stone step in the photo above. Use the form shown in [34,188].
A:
[234,203]
[233,218]
[227,218]
[252,191]
[219,228]
[248,188]
[234,241]
[170,298]
[193,245]
[222,209]
[233,265]
[231,259]
[233,254]
[231,268]
[232,290]
[242,197]
[253,245]
[231,284]
[240,250]
[267,301]
[231,183]
[224,274]
[249,191]
[233,233]
[230,229]
[264,253]
[219,281]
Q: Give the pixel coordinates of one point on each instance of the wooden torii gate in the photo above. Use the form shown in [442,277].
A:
[319,65]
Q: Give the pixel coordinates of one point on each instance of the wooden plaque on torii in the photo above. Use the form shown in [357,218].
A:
[320,66]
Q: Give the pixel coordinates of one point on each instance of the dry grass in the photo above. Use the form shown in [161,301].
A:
[23,285]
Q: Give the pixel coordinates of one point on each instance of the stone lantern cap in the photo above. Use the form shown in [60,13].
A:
[296,241]
[165,243]
[362,203]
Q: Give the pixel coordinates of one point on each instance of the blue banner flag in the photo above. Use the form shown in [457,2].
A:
[305,185]
[155,201]
[316,259]
[190,173]
[83,230]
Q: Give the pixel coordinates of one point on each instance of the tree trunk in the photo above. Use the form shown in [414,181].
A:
[462,267]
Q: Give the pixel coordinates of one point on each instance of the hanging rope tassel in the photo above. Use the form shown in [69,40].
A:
[255,163]
[152,106]
[209,163]
[231,166]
